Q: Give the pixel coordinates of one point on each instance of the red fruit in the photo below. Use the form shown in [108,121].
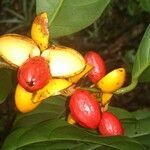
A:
[110,125]
[85,109]
[34,74]
[99,68]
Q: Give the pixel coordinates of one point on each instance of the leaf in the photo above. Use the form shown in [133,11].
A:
[53,107]
[145,77]
[136,124]
[144,140]
[5,84]
[136,128]
[41,130]
[121,113]
[142,60]
[59,133]
[145,4]
[139,129]
[52,145]
[139,125]
[133,8]
[67,16]
[142,114]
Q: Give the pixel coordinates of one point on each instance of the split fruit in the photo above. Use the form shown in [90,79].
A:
[40,32]
[77,77]
[16,49]
[27,101]
[54,87]
[23,100]
[64,61]
[34,74]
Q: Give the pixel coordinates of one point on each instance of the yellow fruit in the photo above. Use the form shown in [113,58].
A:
[76,78]
[27,101]
[112,81]
[23,100]
[52,88]
[70,119]
[16,49]
[64,61]
[106,97]
[39,31]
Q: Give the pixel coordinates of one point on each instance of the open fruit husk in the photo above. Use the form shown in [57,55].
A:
[40,32]
[76,78]
[23,100]
[54,87]
[27,101]
[16,49]
[64,61]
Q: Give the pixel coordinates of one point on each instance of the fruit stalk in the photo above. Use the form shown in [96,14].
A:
[127,88]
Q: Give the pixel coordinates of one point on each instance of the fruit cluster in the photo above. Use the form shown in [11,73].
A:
[45,70]
[86,109]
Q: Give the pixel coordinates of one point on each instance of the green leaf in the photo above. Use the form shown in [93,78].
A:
[69,16]
[142,114]
[145,4]
[145,77]
[59,145]
[133,7]
[50,133]
[144,140]
[136,124]
[141,63]
[5,84]
[120,113]
[53,107]
[59,133]
[138,128]
[142,60]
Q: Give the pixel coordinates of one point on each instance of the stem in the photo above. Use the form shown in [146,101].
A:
[5,65]
[127,88]
[90,89]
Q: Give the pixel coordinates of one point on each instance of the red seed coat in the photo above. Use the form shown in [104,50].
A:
[110,125]
[34,74]
[85,109]
[99,68]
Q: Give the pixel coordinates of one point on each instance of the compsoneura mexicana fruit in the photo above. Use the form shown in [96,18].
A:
[34,74]
[85,109]
[110,125]
[99,68]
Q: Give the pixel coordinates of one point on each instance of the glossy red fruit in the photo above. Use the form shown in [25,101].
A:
[85,109]
[34,74]
[99,68]
[110,125]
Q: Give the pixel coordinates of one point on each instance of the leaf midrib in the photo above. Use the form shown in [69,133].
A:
[56,12]
[81,140]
